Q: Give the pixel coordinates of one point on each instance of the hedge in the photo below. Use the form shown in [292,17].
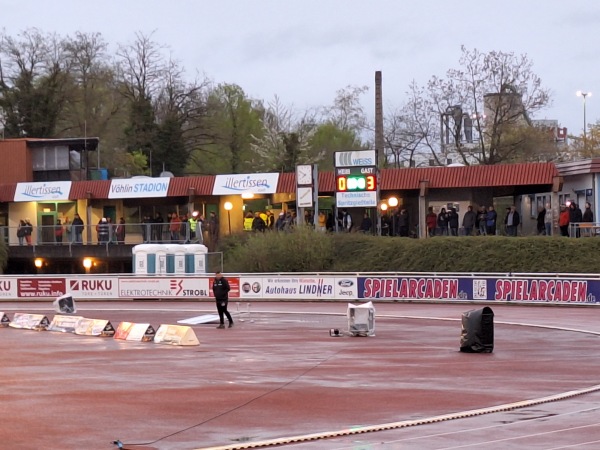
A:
[305,250]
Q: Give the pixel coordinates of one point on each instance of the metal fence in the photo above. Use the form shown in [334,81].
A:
[584,229]
[105,233]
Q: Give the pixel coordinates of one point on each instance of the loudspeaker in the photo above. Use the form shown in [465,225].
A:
[65,304]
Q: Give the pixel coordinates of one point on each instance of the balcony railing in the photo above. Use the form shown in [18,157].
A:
[102,234]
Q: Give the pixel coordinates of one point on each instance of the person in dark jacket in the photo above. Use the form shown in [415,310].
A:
[258,224]
[541,221]
[366,224]
[221,290]
[442,223]
[403,223]
[77,227]
[490,221]
[468,222]
[575,217]
[512,221]
[453,222]
[588,217]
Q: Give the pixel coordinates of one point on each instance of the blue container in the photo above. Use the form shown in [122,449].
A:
[189,263]
[151,262]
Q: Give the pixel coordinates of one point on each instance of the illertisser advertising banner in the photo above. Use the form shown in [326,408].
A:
[255,183]
[46,191]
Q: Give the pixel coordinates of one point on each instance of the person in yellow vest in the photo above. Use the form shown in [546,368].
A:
[193,222]
[264,217]
[248,222]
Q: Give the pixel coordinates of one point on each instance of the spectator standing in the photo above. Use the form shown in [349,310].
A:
[563,221]
[258,224]
[346,221]
[58,232]
[490,221]
[548,220]
[213,227]
[280,223]
[270,220]
[322,227]
[366,224]
[453,222]
[28,231]
[442,222]
[68,230]
[77,229]
[102,230]
[575,217]
[482,219]
[431,221]
[541,221]
[120,231]
[330,224]
[157,225]
[403,223]
[512,221]
[21,231]
[588,218]
[174,227]
[468,222]
[147,229]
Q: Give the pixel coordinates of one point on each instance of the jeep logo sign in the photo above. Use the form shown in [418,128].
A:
[355,158]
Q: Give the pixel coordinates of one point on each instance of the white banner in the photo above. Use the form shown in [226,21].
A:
[139,187]
[8,288]
[346,288]
[302,287]
[356,199]
[35,192]
[255,183]
[355,158]
[159,287]
[93,287]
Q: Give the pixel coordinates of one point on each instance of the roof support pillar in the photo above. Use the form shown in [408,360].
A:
[423,190]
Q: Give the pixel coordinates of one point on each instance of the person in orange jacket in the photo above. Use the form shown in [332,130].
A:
[563,221]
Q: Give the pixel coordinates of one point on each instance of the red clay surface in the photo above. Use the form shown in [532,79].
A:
[282,375]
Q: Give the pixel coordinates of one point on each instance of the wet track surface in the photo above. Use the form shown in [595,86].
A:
[277,374]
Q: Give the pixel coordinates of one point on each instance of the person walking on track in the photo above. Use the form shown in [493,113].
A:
[221,292]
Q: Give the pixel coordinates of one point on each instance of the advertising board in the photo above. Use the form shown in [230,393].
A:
[142,187]
[42,191]
[167,287]
[255,183]
[40,287]
[302,287]
[93,287]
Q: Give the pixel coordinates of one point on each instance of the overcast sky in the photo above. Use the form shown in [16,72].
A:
[305,50]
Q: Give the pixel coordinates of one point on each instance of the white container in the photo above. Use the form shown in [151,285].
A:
[144,259]
[195,258]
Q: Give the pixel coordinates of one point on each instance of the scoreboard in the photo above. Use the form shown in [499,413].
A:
[356,179]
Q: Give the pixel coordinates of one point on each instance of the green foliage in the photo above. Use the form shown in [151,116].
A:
[306,250]
[329,138]
[302,250]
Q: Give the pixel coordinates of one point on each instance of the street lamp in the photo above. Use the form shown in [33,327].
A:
[584,95]
[228,207]
[384,206]
[87,263]
[393,202]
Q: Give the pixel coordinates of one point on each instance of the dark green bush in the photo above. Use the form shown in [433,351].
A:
[305,250]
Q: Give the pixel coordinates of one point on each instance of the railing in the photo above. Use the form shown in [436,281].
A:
[102,234]
[584,229]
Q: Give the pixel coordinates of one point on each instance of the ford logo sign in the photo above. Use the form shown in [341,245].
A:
[346,283]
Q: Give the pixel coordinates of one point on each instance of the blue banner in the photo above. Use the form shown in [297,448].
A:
[555,290]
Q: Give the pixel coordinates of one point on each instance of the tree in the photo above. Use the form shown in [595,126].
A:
[587,146]
[34,73]
[232,120]
[285,139]
[480,111]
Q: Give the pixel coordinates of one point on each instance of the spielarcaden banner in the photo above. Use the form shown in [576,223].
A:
[551,290]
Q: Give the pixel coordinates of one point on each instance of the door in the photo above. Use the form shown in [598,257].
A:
[110,212]
[46,234]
